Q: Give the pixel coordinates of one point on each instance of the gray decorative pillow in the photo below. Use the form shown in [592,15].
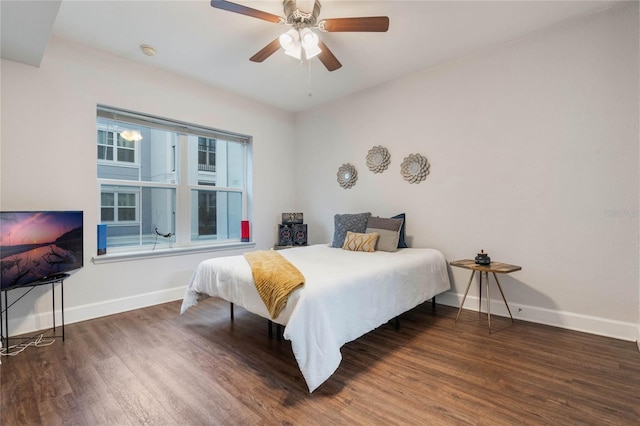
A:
[389,231]
[348,222]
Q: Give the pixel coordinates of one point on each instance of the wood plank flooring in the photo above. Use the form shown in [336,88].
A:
[153,366]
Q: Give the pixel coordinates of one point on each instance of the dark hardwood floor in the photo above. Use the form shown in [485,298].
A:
[153,366]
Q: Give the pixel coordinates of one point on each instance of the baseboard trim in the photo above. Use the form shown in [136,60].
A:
[43,320]
[584,323]
[568,320]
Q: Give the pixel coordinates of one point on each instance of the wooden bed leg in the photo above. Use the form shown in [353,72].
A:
[433,304]
[279,332]
[270,329]
[231,310]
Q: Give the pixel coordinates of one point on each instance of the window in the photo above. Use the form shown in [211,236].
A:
[179,185]
[118,206]
[125,150]
[105,145]
[206,154]
[216,194]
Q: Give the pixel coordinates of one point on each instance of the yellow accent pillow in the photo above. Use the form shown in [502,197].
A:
[355,241]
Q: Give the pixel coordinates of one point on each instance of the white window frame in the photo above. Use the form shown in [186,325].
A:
[183,241]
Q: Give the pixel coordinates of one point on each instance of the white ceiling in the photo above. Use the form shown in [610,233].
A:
[213,46]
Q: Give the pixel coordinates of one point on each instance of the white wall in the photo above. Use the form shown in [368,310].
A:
[49,162]
[532,144]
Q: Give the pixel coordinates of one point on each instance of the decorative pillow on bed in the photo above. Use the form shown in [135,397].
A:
[389,230]
[355,241]
[348,222]
[401,241]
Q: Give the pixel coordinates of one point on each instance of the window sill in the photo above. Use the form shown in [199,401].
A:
[180,251]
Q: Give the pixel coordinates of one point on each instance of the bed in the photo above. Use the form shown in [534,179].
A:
[346,294]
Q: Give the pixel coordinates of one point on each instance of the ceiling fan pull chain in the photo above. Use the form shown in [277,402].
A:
[310,94]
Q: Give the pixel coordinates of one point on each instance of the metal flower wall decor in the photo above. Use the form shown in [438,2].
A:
[378,159]
[347,176]
[414,168]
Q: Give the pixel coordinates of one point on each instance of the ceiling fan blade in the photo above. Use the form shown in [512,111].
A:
[365,24]
[327,58]
[266,51]
[244,10]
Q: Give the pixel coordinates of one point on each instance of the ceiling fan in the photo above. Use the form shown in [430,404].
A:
[300,38]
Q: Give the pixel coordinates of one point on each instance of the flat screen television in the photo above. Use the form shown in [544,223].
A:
[39,245]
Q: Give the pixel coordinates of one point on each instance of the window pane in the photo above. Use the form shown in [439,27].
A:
[126,150]
[216,162]
[105,138]
[152,159]
[107,199]
[235,164]
[206,154]
[107,214]
[215,215]
[126,199]
[105,152]
[141,211]
[126,214]
[126,155]
[158,213]
[206,213]
[125,143]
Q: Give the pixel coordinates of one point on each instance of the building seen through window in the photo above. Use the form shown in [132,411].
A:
[178,184]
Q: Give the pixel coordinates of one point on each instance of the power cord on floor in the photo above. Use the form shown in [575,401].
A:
[37,342]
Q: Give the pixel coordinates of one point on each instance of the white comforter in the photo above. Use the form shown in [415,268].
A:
[346,294]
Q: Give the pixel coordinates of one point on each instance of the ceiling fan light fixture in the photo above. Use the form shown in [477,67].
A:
[309,41]
[290,39]
[294,52]
[308,38]
[312,51]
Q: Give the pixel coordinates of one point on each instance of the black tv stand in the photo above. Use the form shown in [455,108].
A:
[4,308]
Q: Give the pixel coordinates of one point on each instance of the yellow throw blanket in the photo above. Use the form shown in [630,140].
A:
[275,278]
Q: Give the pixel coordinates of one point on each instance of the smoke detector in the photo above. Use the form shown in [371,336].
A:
[147,50]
